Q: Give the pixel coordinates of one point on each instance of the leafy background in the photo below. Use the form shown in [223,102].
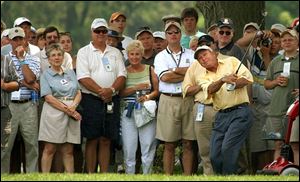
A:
[76,16]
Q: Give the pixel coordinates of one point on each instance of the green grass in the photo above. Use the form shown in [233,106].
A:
[123,177]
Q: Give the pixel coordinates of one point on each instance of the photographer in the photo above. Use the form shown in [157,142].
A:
[264,48]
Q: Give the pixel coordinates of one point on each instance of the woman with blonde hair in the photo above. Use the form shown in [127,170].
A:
[141,87]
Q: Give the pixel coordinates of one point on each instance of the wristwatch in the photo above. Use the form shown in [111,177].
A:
[113,90]
[23,61]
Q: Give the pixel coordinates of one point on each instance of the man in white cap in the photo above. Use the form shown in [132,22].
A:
[24,113]
[101,73]
[277,27]
[4,37]
[233,119]
[25,24]
[171,65]
[160,42]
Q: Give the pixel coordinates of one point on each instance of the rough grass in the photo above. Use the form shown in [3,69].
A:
[123,177]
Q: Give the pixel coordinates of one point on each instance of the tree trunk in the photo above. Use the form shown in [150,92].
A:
[241,13]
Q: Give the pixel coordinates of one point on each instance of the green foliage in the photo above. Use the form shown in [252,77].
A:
[76,16]
[281,12]
[123,177]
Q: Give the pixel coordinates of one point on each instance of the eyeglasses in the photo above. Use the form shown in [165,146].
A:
[226,32]
[103,31]
[173,32]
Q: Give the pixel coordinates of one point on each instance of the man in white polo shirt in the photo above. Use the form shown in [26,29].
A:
[101,73]
[174,118]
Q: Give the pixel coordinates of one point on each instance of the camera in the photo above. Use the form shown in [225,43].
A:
[266,42]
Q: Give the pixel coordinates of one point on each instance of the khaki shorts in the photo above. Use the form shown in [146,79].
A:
[295,131]
[203,130]
[277,125]
[175,119]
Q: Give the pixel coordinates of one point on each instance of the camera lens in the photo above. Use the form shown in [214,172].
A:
[266,42]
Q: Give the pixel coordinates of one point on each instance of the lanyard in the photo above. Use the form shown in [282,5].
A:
[177,64]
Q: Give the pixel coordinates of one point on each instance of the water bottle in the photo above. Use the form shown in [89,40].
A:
[138,105]
[34,97]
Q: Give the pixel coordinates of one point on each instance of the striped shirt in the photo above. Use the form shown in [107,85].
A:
[34,65]
[8,74]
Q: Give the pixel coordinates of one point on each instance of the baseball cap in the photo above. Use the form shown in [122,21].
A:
[33,29]
[255,25]
[99,22]
[174,23]
[16,32]
[204,47]
[159,34]
[115,15]
[225,22]
[113,33]
[40,30]
[5,33]
[171,17]
[21,20]
[292,32]
[278,28]
[212,27]
[141,30]
[205,38]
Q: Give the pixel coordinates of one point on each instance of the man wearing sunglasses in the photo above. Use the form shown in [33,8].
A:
[101,73]
[174,118]
[225,41]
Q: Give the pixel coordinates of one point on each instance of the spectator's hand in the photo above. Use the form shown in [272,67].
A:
[74,114]
[71,108]
[20,52]
[281,81]
[105,94]
[143,98]
[2,83]
[295,92]
[34,86]
[267,34]
[265,50]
